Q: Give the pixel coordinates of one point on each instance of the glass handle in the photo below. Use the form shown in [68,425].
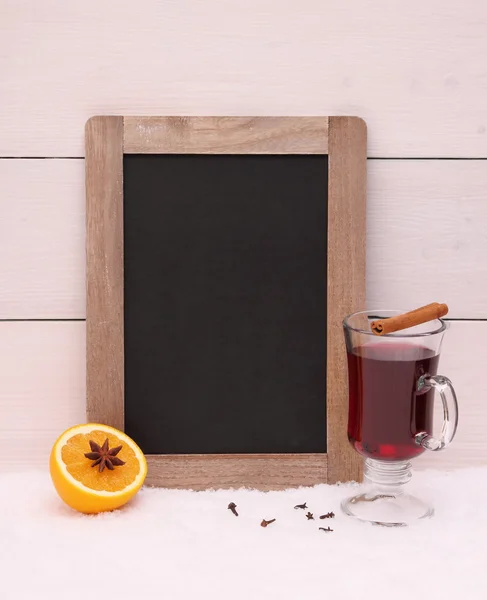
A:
[450,412]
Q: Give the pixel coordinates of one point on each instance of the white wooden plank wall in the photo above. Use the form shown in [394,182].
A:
[416,71]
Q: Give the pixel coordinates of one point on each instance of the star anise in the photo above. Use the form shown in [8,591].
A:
[103,456]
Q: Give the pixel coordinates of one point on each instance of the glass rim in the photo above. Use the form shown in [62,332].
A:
[395,334]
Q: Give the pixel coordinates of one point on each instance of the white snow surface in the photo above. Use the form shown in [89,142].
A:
[175,544]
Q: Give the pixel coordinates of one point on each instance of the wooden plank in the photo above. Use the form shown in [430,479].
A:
[42,389]
[414,71]
[462,359]
[43,392]
[425,234]
[263,472]
[42,239]
[346,278]
[104,271]
[225,135]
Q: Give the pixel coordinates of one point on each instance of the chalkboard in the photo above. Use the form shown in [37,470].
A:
[225,303]
[222,255]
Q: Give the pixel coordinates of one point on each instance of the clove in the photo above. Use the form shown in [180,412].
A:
[303,506]
[330,515]
[264,523]
[309,516]
[232,506]
[327,529]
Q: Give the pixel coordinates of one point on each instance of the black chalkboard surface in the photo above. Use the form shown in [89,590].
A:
[225,303]
[222,255]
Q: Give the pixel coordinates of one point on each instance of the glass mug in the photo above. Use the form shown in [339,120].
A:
[392,386]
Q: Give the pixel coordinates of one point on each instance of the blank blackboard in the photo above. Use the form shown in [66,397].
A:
[222,255]
[225,303]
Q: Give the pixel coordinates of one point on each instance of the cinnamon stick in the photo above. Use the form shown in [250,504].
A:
[409,319]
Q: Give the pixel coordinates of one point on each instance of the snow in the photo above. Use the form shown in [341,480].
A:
[174,545]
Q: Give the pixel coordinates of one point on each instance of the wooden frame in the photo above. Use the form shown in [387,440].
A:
[343,139]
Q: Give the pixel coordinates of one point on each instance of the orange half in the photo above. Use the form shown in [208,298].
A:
[82,486]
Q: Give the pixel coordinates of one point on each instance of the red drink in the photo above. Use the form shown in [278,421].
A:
[386,409]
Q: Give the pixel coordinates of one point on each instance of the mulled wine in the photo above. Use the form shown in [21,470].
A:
[393,382]
[386,408]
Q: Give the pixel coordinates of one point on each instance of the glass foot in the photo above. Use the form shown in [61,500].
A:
[386,509]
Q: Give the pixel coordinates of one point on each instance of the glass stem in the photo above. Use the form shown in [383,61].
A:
[387,477]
